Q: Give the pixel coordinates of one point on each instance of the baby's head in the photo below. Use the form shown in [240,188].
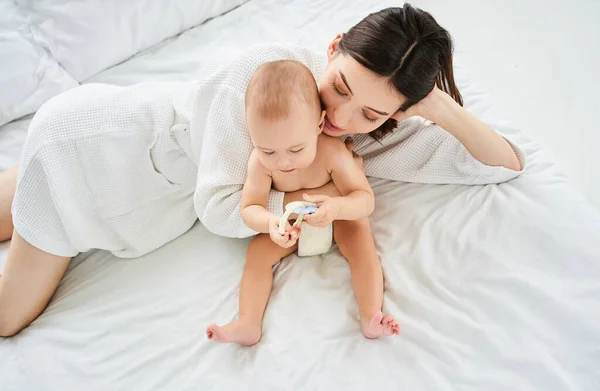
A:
[284,115]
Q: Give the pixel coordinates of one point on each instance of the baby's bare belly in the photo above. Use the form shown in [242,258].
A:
[308,178]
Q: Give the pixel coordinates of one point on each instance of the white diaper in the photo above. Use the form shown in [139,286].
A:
[312,240]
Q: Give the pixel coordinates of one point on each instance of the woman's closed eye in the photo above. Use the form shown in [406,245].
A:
[369,118]
[337,90]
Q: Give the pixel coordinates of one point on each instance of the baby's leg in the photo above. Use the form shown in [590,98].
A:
[255,289]
[355,242]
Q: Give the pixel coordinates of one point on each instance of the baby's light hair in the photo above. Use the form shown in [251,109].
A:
[277,86]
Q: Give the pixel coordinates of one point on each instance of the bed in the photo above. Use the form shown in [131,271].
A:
[495,287]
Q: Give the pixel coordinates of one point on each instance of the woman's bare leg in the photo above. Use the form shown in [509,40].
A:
[8,184]
[28,282]
[356,243]
[255,290]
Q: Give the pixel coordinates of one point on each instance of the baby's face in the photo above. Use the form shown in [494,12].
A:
[288,144]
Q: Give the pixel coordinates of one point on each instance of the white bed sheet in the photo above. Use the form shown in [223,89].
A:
[12,138]
[496,287]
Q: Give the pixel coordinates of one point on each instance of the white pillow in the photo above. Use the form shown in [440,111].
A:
[88,36]
[28,74]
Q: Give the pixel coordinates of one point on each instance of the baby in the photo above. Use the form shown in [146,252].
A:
[285,121]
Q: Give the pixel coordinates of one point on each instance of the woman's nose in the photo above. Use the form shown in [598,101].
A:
[341,116]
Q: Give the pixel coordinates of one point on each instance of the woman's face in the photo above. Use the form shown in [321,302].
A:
[356,100]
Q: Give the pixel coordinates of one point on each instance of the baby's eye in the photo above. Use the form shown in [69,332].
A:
[297,150]
[268,152]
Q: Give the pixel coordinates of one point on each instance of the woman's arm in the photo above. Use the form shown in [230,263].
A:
[480,140]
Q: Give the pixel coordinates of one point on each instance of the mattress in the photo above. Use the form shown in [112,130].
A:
[495,287]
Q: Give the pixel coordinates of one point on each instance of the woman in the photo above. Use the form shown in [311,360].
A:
[128,170]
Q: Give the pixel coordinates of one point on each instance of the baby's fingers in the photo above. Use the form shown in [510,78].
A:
[277,237]
[321,224]
[293,235]
[287,240]
[295,230]
[314,218]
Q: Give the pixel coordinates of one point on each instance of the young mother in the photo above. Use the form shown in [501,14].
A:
[129,169]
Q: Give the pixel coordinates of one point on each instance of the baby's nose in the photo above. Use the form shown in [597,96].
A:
[284,162]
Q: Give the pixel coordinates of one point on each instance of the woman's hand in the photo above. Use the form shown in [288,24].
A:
[288,239]
[428,107]
[328,211]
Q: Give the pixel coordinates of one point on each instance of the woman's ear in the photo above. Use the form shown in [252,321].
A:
[322,121]
[332,48]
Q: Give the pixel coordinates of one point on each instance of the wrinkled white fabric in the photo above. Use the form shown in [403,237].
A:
[101,167]
[496,287]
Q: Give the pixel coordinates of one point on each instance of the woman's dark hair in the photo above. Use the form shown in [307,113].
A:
[409,48]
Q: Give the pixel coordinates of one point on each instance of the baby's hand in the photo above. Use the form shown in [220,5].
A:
[288,239]
[328,211]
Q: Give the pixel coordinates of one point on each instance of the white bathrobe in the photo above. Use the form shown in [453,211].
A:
[128,169]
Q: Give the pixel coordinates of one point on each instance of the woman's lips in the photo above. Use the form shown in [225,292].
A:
[330,125]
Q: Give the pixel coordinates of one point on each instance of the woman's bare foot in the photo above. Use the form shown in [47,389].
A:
[380,326]
[243,333]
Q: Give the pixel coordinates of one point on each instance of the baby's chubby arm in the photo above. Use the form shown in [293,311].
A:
[356,201]
[255,195]
[254,205]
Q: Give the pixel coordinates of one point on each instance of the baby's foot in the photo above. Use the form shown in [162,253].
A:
[242,333]
[380,326]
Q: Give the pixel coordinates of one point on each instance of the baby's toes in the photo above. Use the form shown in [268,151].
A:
[387,320]
[209,331]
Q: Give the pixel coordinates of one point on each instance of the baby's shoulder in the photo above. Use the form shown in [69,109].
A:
[254,164]
[331,146]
